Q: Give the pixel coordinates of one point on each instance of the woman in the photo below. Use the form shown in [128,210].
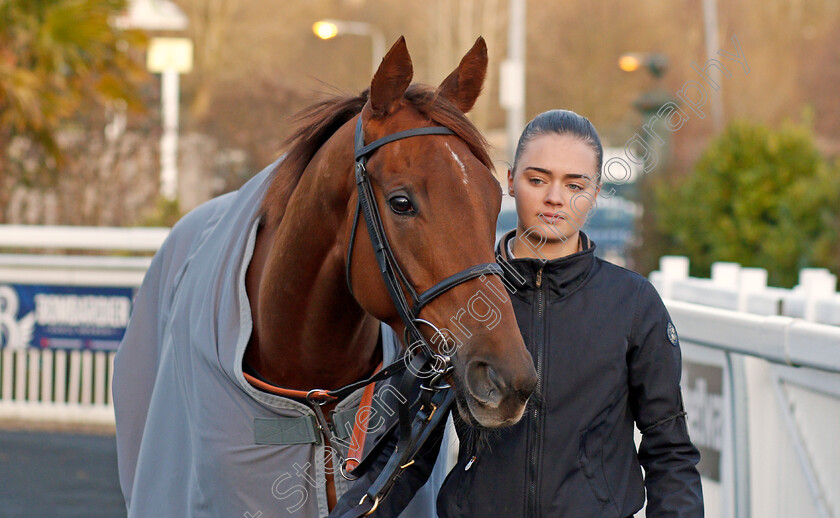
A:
[606,353]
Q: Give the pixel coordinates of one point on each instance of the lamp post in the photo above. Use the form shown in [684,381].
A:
[650,101]
[168,57]
[329,28]
[657,139]
[512,76]
[710,31]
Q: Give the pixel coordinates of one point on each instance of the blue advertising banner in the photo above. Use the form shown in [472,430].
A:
[63,317]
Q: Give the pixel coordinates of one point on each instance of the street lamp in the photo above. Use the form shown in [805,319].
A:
[326,29]
[649,102]
[653,99]
[655,136]
[656,63]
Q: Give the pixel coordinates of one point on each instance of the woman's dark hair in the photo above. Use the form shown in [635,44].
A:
[562,122]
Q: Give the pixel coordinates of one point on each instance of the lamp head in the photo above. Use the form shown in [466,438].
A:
[325,29]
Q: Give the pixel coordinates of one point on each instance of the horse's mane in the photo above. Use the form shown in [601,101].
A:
[318,122]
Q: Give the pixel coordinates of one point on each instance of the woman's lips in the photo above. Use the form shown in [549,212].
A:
[551,217]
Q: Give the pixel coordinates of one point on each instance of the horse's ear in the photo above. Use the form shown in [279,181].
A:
[391,79]
[464,84]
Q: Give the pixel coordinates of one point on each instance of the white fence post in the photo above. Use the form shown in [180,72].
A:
[753,280]
[7,359]
[726,274]
[99,383]
[60,377]
[673,268]
[47,376]
[73,391]
[816,284]
[20,373]
[34,374]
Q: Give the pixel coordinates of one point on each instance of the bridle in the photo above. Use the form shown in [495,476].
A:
[392,274]
[434,399]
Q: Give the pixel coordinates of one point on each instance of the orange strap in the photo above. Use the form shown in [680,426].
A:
[360,427]
[280,391]
[360,424]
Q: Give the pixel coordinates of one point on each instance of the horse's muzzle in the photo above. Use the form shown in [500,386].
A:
[496,395]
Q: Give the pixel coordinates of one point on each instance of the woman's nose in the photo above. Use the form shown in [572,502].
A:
[554,196]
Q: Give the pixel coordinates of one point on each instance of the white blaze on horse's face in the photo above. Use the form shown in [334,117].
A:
[438,203]
[460,164]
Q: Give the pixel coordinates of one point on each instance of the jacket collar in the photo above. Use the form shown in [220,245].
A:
[562,275]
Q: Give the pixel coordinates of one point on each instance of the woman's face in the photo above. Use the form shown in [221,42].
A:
[555,185]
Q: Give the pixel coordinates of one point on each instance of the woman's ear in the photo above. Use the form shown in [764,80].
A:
[510,182]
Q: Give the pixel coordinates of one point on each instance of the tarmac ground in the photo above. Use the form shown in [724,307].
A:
[58,471]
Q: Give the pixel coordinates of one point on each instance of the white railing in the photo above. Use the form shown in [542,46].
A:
[766,401]
[136,239]
[814,298]
[55,384]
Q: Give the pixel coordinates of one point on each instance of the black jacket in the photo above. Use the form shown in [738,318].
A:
[607,357]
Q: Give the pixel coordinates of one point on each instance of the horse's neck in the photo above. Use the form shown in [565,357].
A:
[309,332]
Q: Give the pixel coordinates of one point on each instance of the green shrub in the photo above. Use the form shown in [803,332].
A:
[757,197]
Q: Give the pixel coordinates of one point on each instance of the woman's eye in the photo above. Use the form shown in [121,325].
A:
[401,205]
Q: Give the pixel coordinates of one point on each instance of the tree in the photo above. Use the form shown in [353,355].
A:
[757,197]
[61,63]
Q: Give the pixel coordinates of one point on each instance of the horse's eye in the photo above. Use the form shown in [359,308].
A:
[401,205]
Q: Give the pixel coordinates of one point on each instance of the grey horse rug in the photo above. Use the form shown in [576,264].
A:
[187,420]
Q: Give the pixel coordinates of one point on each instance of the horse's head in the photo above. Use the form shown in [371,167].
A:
[438,202]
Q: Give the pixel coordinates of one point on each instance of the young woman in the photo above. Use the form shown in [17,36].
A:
[606,353]
[607,358]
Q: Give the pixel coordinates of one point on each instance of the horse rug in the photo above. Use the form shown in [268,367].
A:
[185,413]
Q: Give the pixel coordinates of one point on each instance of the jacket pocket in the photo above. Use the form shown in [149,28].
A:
[590,458]
[463,479]
[466,475]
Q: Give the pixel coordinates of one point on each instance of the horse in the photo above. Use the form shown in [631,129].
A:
[264,297]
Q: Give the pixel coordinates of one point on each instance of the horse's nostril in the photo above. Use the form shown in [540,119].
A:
[495,379]
[484,383]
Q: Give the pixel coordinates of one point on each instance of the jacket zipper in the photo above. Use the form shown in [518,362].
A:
[539,346]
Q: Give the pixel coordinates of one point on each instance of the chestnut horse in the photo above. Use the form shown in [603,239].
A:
[438,202]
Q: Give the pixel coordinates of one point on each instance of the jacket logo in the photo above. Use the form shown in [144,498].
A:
[672,334]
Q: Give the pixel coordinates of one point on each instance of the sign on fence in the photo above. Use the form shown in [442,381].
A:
[63,317]
[703,393]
